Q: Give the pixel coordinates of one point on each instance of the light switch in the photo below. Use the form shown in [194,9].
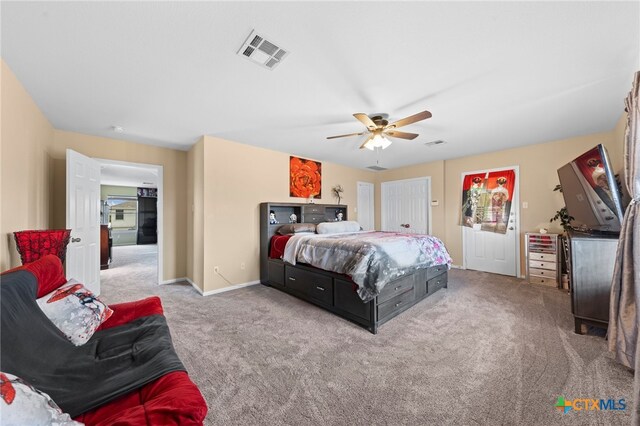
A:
[525,204]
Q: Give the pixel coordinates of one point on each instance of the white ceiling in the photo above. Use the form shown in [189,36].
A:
[494,74]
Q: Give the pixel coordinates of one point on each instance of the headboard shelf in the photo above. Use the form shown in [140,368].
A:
[305,213]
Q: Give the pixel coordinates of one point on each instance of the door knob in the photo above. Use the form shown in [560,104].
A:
[511,228]
[76,240]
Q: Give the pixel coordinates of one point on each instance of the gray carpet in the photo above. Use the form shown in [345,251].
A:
[488,350]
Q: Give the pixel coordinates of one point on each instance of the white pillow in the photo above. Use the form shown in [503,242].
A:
[76,311]
[337,227]
[22,404]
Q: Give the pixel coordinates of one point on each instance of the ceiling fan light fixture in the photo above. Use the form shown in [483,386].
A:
[378,141]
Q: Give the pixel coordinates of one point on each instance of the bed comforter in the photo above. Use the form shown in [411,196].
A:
[371,259]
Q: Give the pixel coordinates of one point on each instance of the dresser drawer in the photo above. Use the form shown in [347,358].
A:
[542,264]
[317,286]
[543,256]
[546,273]
[397,303]
[314,218]
[310,209]
[395,288]
[543,280]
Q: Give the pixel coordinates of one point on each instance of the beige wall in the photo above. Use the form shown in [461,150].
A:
[175,181]
[195,214]
[115,190]
[538,166]
[237,178]
[25,176]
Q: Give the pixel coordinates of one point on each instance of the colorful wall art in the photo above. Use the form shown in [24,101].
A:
[486,200]
[305,178]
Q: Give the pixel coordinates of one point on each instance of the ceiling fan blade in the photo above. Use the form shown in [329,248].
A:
[344,136]
[366,141]
[408,120]
[364,119]
[401,135]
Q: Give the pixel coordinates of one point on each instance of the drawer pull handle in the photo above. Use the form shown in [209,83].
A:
[398,304]
[320,288]
[292,279]
[397,288]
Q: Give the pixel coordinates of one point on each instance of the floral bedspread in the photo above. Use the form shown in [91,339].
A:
[371,259]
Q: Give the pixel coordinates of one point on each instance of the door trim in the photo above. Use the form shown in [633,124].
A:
[160,170]
[515,204]
[382,200]
[372,204]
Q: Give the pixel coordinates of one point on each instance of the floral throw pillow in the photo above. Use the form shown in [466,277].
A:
[22,404]
[76,311]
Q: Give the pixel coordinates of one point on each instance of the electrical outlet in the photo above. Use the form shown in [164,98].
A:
[216,269]
[242,266]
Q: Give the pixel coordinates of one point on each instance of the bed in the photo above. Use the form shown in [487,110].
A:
[368,278]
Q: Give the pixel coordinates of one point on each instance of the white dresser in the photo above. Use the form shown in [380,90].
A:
[543,259]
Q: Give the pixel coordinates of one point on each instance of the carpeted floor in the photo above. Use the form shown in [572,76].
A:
[489,350]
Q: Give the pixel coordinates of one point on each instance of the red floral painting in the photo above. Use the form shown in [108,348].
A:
[305,178]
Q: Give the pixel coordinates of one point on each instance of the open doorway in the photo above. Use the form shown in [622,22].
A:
[131,197]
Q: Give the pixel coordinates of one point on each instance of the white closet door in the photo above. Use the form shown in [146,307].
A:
[405,206]
[366,207]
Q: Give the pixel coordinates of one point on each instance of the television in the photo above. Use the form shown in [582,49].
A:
[591,193]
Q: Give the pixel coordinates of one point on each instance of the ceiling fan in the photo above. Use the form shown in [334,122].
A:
[378,128]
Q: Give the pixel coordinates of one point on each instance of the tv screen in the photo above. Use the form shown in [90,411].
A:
[591,193]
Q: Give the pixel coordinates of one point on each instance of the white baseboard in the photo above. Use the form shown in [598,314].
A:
[457,267]
[231,287]
[210,292]
[175,280]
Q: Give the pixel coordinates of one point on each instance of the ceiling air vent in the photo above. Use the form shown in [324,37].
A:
[376,168]
[438,142]
[263,52]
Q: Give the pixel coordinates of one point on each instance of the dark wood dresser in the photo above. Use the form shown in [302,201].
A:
[591,261]
[105,246]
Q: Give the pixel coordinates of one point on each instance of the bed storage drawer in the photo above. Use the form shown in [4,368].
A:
[276,272]
[316,286]
[436,283]
[434,271]
[395,288]
[396,304]
[347,299]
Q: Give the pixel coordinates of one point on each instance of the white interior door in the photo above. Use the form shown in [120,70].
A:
[83,218]
[405,206]
[492,251]
[366,215]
